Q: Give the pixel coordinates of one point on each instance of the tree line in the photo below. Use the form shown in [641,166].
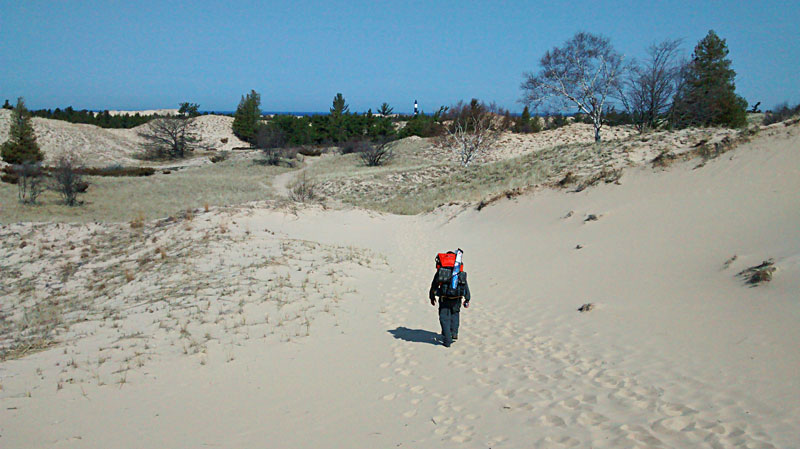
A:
[663,90]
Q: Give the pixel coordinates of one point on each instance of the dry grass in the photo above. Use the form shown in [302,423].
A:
[108,199]
[411,185]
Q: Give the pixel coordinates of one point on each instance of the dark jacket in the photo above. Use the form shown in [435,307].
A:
[454,303]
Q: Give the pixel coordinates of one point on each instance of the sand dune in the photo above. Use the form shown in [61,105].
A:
[100,147]
[261,325]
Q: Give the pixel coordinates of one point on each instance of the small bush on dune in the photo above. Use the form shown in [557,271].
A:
[279,156]
[556,121]
[117,170]
[376,154]
[67,179]
[219,157]
[304,189]
[30,181]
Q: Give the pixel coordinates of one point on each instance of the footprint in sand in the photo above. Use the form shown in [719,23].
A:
[550,421]
[564,441]
[674,424]
[410,413]
[590,419]
[461,438]
[677,410]
[390,397]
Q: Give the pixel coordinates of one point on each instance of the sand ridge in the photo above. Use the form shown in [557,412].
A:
[99,147]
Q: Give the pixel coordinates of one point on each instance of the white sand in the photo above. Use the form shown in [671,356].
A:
[677,353]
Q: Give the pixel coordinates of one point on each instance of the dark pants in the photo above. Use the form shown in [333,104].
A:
[448,318]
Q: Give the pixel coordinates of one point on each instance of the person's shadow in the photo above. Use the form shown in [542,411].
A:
[415,335]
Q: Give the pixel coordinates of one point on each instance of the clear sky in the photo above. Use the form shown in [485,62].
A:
[298,54]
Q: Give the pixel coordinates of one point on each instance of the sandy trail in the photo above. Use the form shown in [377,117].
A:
[677,353]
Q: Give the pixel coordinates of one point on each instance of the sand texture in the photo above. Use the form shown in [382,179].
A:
[303,326]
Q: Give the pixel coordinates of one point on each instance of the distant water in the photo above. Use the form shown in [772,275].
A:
[301,114]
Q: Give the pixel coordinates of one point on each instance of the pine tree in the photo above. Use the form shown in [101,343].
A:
[339,119]
[7,105]
[523,124]
[245,120]
[708,94]
[339,106]
[21,147]
[385,110]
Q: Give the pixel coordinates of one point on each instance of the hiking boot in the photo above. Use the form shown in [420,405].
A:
[455,337]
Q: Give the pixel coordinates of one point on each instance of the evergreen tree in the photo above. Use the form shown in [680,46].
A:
[339,120]
[21,147]
[707,96]
[7,105]
[245,120]
[189,109]
[385,110]
[339,106]
[523,124]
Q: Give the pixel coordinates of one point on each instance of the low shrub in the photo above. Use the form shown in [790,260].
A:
[279,156]
[377,154]
[116,170]
[304,189]
[67,179]
[780,113]
[354,146]
[219,157]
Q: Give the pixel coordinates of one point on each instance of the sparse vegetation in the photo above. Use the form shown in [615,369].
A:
[303,189]
[29,178]
[279,156]
[758,274]
[67,179]
[472,133]
[780,113]
[376,154]
[219,157]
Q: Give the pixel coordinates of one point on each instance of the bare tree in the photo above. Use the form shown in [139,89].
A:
[169,138]
[583,72]
[30,181]
[647,90]
[474,129]
[67,179]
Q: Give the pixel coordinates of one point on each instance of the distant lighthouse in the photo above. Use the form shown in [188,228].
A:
[416,108]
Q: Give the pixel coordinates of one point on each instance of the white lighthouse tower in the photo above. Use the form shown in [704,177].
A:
[416,108]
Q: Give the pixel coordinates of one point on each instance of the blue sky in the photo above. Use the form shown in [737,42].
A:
[299,54]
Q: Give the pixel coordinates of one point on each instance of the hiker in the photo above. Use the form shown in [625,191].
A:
[449,297]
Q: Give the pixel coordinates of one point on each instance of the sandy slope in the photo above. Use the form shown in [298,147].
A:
[100,147]
[677,353]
